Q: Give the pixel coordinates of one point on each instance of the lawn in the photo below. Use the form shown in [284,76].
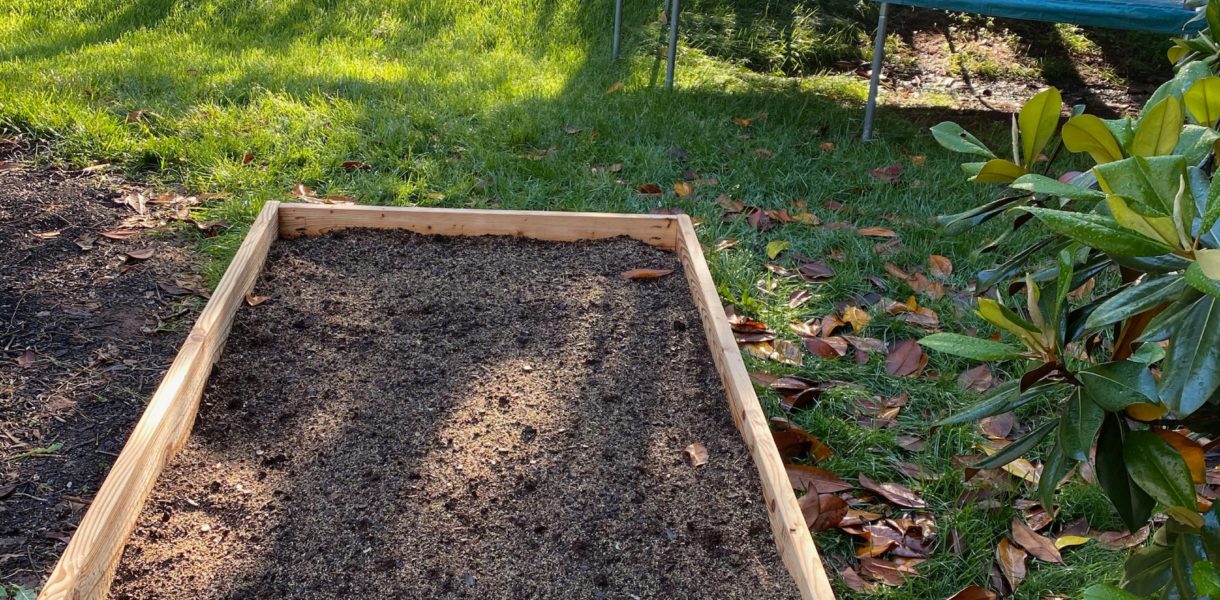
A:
[516,104]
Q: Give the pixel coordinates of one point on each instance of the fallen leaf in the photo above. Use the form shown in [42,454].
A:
[723,245]
[932,289]
[977,379]
[816,271]
[775,247]
[247,157]
[877,232]
[572,129]
[763,153]
[827,146]
[896,272]
[884,571]
[815,480]
[866,344]
[253,300]
[822,511]
[1011,559]
[829,347]
[48,235]
[645,273]
[1122,540]
[857,317]
[794,442]
[175,290]
[120,234]
[355,165]
[1067,541]
[137,116]
[1041,547]
[895,493]
[998,427]
[141,254]
[854,582]
[905,359]
[919,160]
[618,85]
[889,173]
[683,189]
[973,591]
[696,453]
[26,359]
[911,443]
[939,266]
[798,298]
[758,219]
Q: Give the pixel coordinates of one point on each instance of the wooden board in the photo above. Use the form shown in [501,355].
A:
[87,566]
[298,220]
[792,535]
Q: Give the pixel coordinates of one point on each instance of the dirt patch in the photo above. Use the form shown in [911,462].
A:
[85,335]
[413,416]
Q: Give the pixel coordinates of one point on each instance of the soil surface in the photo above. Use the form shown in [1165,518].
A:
[86,332]
[420,417]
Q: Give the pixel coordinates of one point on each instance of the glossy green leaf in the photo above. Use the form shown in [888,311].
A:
[1117,385]
[1087,133]
[998,170]
[1212,13]
[1041,184]
[1206,579]
[1202,101]
[1149,184]
[1097,231]
[1200,281]
[1018,448]
[1105,591]
[1196,141]
[1137,299]
[1078,425]
[1158,130]
[1055,466]
[1037,121]
[1211,212]
[1209,533]
[971,347]
[1192,364]
[1158,469]
[1000,399]
[953,137]
[1133,504]
[1166,322]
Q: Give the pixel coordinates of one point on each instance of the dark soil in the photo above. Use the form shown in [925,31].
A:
[85,335]
[422,417]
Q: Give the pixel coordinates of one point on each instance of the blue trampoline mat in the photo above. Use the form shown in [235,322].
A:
[1157,16]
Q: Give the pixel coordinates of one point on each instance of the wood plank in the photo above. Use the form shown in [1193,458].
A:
[87,566]
[792,535]
[298,220]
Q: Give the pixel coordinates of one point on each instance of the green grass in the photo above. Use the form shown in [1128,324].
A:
[449,103]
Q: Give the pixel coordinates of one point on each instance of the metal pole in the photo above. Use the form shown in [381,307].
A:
[618,26]
[875,80]
[673,44]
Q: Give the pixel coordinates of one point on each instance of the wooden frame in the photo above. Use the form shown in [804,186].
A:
[87,566]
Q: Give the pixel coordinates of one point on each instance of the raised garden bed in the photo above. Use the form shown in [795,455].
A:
[541,438]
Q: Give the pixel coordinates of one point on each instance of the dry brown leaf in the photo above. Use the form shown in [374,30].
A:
[799,297]
[729,205]
[355,165]
[939,266]
[932,289]
[907,358]
[683,189]
[723,245]
[1042,548]
[1011,559]
[120,234]
[1122,540]
[977,379]
[645,273]
[998,427]
[888,173]
[866,344]
[827,146]
[648,189]
[822,511]
[895,493]
[618,85]
[696,453]
[878,232]
[141,254]
[759,219]
[912,443]
[815,480]
[253,300]
[854,582]
[974,591]
[816,271]
[830,347]
[884,571]
[794,442]
[26,359]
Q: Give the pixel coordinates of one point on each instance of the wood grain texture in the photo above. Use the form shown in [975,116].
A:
[792,535]
[297,220]
[87,566]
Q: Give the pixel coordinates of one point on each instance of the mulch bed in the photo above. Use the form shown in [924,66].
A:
[415,416]
[86,332]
